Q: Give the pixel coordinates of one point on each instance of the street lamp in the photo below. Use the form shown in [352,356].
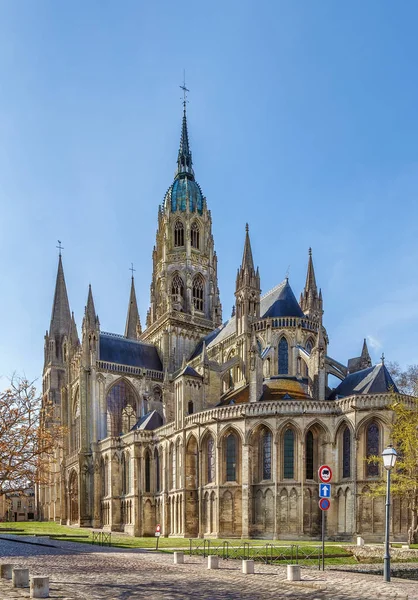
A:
[389,456]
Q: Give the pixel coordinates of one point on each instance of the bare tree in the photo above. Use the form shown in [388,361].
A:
[28,436]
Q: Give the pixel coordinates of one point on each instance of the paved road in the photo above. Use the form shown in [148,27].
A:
[83,572]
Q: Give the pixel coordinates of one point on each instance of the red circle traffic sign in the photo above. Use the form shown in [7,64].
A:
[324,504]
[158,528]
[325,473]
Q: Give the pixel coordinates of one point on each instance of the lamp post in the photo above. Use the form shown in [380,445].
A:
[389,456]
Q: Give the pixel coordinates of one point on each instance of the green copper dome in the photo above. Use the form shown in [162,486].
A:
[184,193]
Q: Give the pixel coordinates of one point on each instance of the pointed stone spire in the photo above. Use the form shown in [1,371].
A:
[365,360]
[184,159]
[133,323]
[61,316]
[247,256]
[311,302]
[90,311]
[310,284]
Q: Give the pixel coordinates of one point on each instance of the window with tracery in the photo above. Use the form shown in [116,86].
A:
[197,292]
[195,235]
[346,452]
[177,289]
[231,457]
[283,357]
[309,346]
[119,417]
[309,448]
[267,438]
[372,449]
[289,454]
[178,234]
[211,460]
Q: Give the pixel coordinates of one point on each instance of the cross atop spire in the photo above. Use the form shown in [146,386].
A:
[185,90]
[132,270]
[59,247]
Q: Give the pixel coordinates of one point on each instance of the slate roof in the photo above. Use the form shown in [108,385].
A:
[285,304]
[190,372]
[150,421]
[120,350]
[278,302]
[374,380]
[285,388]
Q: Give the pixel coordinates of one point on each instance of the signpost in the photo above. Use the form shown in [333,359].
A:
[325,476]
[157,535]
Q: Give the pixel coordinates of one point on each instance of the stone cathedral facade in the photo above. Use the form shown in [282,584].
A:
[212,428]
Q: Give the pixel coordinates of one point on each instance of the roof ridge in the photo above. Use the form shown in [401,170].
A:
[273,289]
[122,337]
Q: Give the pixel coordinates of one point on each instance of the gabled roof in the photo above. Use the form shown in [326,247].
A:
[374,380]
[120,350]
[190,372]
[150,421]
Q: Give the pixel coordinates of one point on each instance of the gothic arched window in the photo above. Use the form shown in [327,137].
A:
[157,471]
[309,346]
[195,235]
[197,292]
[372,449]
[231,457]
[178,234]
[147,472]
[119,417]
[283,357]
[177,290]
[309,448]
[267,437]
[211,459]
[346,452]
[190,407]
[289,454]
[75,441]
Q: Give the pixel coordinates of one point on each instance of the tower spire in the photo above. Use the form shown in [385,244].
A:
[133,323]
[247,256]
[60,316]
[184,159]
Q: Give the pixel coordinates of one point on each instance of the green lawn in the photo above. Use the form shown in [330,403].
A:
[334,552]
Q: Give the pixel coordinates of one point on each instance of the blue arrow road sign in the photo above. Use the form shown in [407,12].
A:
[325,490]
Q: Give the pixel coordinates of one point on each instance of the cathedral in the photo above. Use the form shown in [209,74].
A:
[212,428]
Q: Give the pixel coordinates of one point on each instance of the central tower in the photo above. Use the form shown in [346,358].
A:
[185,303]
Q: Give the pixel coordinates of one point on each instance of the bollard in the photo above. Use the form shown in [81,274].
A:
[39,587]
[178,558]
[248,567]
[6,570]
[293,572]
[20,578]
[360,541]
[213,562]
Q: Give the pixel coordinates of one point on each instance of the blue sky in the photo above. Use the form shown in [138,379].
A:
[302,120]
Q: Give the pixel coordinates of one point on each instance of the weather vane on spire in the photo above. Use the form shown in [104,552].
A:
[184,88]
[59,247]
